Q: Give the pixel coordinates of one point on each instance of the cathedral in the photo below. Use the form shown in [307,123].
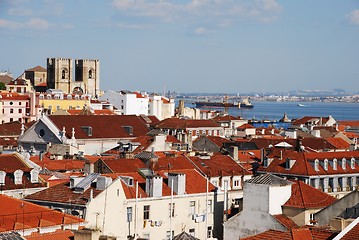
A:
[87,75]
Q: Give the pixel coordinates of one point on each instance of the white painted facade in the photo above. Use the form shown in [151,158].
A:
[161,107]
[260,203]
[115,215]
[127,102]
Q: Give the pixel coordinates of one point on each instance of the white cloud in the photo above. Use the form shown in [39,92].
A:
[214,12]
[37,23]
[200,31]
[32,24]
[353,16]
[20,12]
[6,24]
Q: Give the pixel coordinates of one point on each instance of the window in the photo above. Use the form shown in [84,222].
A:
[209,206]
[344,163]
[171,209]
[209,232]
[170,234]
[42,132]
[19,103]
[311,218]
[11,110]
[11,103]
[11,119]
[192,207]
[146,212]
[352,163]
[63,74]
[20,110]
[236,183]
[316,165]
[129,214]
[325,164]
[90,74]
[335,162]
[192,232]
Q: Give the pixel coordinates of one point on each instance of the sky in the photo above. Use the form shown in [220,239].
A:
[187,46]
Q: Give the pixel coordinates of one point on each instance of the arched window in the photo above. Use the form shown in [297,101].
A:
[63,74]
[352,163]
[18,176]
[335,163]
[90,74]
[344,163]
[325,164]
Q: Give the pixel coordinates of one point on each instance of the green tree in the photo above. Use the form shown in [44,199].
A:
[2,86]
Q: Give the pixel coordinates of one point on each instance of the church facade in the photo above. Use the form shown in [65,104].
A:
[81,77]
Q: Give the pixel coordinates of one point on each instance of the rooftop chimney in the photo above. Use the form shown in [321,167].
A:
[154,186]
[179,182]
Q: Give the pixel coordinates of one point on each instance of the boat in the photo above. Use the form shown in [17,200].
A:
[300,105]
[245,104]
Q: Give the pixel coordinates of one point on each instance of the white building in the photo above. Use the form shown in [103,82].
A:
[139,204]
[161,107]
[127,102]
[263,199]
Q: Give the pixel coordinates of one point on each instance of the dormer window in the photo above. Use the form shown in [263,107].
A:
[316,165]
[326,164]
[18,176]
[335,163]
[2,177]
[352,163]
[34,173]
[344,163]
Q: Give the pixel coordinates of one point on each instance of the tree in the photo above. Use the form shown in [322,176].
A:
[2,86]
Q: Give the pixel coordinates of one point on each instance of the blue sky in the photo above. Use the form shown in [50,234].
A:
[229,46]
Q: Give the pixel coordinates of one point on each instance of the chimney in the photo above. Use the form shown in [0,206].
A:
[154,186]
[234,153]
[102,182]
[179,182]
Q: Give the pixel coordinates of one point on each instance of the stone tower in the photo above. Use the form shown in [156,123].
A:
[88,72]
[59,73]
[87,76]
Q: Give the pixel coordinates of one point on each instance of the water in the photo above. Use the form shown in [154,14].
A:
[275,110]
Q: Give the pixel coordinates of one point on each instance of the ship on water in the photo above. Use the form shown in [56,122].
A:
[245,104]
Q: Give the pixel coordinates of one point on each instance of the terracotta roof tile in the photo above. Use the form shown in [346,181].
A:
[306,196]
[103,126]
[57,235]
[352,234]
[285,221]
[36,69]
[17,214]
[176,123]
[62,193]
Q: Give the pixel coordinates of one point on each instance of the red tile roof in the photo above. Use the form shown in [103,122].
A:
[176,123]
[245,126]
[36,69]
[305,196]
[307,119]
[352,233]
[294,234]
[338,143]
[124,165]
[13,96]
[103,126]
[219,165]
[285,221]
[303,165]
[62,193]
[57,235]
[226,118]
[352,123]
[192,176]
[9,163]
[16,214]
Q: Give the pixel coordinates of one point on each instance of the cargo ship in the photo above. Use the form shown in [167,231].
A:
[245,104]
